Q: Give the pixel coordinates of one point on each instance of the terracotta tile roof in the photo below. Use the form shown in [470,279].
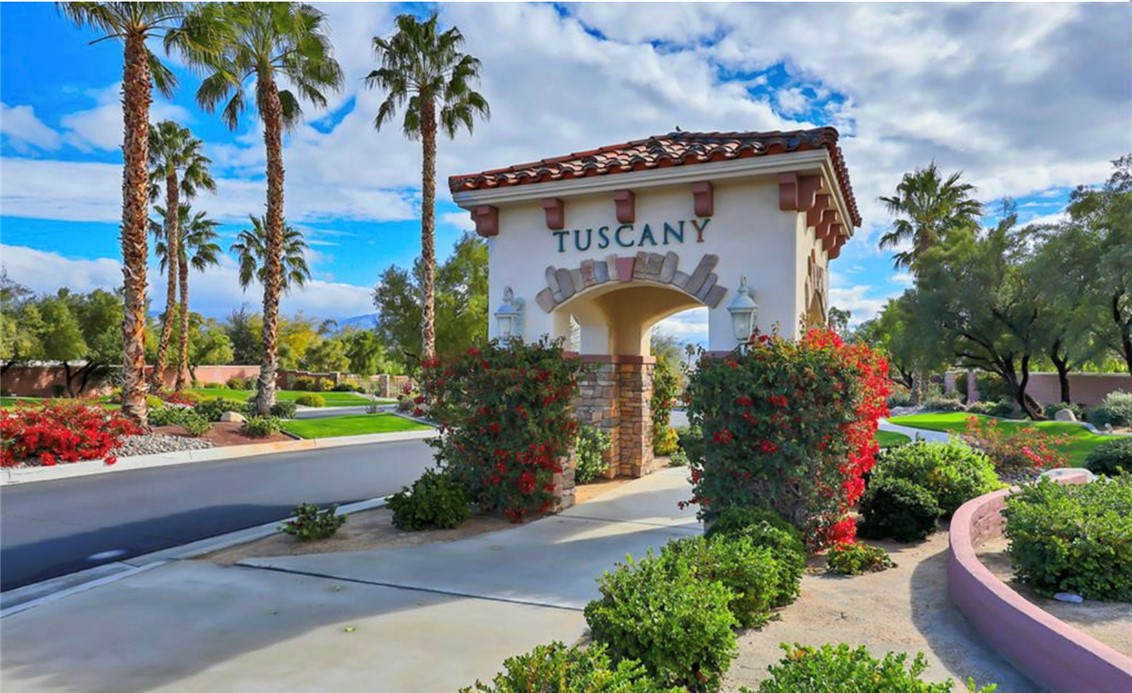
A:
[662,151]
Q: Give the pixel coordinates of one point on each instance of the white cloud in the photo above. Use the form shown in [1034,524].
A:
[854,300]
[24,131]
[688,326]
[215,293]
[791,101]
[100,127]
[461,220]
[902,278]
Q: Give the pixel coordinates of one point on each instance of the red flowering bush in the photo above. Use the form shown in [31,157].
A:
[789,425]
[61,431]
[1015,450]
[506,415]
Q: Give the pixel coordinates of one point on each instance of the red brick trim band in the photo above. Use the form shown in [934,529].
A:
[1046,649]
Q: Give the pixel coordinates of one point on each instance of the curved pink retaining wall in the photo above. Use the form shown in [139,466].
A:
[1049,651]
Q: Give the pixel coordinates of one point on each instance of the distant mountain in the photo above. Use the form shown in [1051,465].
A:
[367,321]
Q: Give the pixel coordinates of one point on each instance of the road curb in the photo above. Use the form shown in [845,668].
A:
[27,597]
[29,475]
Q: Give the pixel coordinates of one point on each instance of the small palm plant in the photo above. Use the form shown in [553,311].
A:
[251,251]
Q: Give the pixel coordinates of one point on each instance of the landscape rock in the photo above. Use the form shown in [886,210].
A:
[1065,415]
[232,417]
[155,443]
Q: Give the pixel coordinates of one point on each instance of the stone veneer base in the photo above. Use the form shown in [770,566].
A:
[1046,649]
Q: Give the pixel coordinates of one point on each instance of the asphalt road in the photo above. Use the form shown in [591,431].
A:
[52,528]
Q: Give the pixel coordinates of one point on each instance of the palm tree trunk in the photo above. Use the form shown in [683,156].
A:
[136,97]
[172,257]
[183,361]
[272,113]
[428,229]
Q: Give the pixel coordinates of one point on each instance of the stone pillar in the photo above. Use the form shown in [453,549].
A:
[634,379]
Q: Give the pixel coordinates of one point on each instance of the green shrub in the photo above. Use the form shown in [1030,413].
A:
[1119,404]
[858,558]
[310,400]
[943,403]
[321,385]
[164,416]
[194,424]
[434,501]
[767,529]
[556,668]
[665,441]
[690,441]
[750,571]
[665,389]
[982,407]
[839,669]
[1110,457]
[897,509]
[212,409]
[343,387]
[678,458]
[284,410]
[590,450]
[951,471]
[212,386]
[303,384]
[1073,538]
[1051,409]
[154,402]
[1004,408]
[261,426]
[991,386]
[311,524]
[238,383]
[656,611]
[899,397]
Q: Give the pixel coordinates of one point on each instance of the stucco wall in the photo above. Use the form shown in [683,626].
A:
[748,232]
[1085,388]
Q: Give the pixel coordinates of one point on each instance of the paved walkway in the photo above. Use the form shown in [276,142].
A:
[427,618]
[930,436]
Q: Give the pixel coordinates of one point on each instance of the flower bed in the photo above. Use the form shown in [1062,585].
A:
[61,431]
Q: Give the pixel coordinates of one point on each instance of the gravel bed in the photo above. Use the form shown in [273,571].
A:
[153,443]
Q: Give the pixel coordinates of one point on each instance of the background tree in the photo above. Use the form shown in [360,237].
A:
[423,71]
[838,319]
[925,209]
[327,356]
[296,337]
[20,324]
[271,42]
[245,332]
[209,344]
[62,338]
[176,163]
[251,248]
[197,249]
[196,35]
[461,292]
[367,353]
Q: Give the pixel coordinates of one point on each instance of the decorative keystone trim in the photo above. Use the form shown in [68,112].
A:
[702,284]
[555,210]
[486,218]
[626,201]
[703,199]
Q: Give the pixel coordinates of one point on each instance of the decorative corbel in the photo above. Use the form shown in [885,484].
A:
[486,218]
[555,210]
[626,202]
[814,214]
[787,191]
[703,196]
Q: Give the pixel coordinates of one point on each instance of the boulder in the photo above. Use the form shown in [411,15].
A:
[1065,415]
[232,417]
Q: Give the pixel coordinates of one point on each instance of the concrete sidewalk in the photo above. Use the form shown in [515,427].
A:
[427,618]
[913,433]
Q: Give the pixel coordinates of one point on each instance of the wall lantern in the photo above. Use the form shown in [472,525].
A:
[743,311]
[509,317]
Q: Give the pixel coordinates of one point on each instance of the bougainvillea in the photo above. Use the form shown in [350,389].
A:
[61,431]
[505,412]
[789,425]
[1015,450]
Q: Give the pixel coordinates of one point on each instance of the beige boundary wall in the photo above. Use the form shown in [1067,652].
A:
[1084,388]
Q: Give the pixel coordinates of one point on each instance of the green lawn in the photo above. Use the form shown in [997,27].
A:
[11,401]
[333,399]
[1081,440]
[890,439]
[333,426]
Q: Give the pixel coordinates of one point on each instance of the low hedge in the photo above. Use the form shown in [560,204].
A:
[767,529]
[310,400]
[857,559]
[953,472]
[434,501]
[658,612]
[1110,457]
[750,571]
[841,669]
[556,668]
[897,509]
[1073,538]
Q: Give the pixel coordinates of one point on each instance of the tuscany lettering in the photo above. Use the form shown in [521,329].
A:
[631,235]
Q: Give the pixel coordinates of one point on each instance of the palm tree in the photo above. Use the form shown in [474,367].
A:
[423,70]
[194,34]
[251,251]
[198,236]
[926,208]
[272,41]
[175,161]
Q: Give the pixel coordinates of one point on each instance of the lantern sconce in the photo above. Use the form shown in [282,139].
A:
[743,311]
[509,317]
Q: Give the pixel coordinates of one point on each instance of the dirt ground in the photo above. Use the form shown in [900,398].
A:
[373,529]
[903,609]
[1109,622]
[224,433]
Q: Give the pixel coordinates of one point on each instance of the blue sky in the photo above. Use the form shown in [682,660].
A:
[1028,101]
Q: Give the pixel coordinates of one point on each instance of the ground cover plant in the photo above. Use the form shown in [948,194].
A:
[1073,537]
[506,414]
[1076,444]
[857,559]
[350,425]
[789,424]
[312,524]
[61,431]
[556,668]
[1111,458]
[952,472]
[434,501]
